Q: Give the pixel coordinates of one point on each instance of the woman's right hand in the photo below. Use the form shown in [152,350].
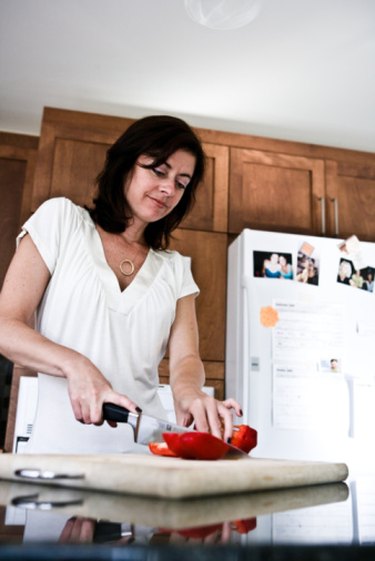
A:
[89,390]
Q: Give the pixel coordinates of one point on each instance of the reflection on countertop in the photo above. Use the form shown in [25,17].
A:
[331,515]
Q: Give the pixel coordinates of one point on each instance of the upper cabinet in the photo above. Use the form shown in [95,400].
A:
[17,163]
[300,188]
[351,197]
[72,152]
[275,191]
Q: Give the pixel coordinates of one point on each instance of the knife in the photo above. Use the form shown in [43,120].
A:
[146,428]
[150,429]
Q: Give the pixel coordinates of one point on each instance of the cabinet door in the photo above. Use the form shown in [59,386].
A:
[210,211]
[17,164]
[280,192]
[72,152]
[351,199]
[208,251]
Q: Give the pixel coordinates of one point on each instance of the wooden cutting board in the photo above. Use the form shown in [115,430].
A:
[166,513]
[171,478]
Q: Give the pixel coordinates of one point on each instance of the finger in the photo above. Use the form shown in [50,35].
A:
[122,400]
[226,532]
[76,530]
[86,413]
[76,406]
[226,416]
[87,530]
[233,404]
[96,413]
[67,530]
[184,419]
[199,414]
[214,418]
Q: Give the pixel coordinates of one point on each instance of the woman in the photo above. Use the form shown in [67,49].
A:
[369,283]
[272,266]
[285,268]
[109,298]
[345,272]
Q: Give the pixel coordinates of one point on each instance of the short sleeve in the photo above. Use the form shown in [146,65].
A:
[48,227]
[188,285]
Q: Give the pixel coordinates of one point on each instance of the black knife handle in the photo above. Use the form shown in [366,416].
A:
[106,531]
[113,412]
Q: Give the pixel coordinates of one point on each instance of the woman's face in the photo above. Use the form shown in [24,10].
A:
[282,260]
[344,270]
[274,258]
[152,193]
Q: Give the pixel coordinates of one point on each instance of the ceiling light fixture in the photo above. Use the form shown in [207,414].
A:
[223,14]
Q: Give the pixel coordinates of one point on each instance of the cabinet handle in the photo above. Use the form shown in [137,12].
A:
[323,211]
[336,213]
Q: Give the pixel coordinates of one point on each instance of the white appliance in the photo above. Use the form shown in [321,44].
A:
[300,354]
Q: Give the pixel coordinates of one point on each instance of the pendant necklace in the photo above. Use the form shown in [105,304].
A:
[127,266]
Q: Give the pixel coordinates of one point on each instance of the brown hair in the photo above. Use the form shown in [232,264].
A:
[157,136]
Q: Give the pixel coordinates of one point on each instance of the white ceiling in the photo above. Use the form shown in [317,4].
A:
[302,70]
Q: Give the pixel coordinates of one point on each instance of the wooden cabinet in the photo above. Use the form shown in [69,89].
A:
[17,164]
[274,191]
[208,252]
[327,192]
[351,197]
[72,151]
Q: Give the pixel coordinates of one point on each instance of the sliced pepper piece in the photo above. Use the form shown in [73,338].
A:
[173,442]
[199,532]
[245,526]
[196,445]
[161,449]
[244,437]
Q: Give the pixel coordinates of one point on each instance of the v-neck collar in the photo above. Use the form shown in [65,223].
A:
[123,300]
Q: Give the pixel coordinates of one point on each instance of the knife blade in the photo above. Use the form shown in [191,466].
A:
[146,428]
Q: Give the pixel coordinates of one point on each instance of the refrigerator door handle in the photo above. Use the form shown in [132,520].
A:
[336,212]
[323,211]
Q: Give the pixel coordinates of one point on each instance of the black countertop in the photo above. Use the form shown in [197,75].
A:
[324,522]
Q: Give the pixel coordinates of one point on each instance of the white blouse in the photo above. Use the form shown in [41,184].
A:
[124,333]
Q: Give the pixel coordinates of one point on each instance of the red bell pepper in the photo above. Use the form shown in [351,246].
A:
[161,449]
[244,437]
[245,526]
[201,532]
[196,445]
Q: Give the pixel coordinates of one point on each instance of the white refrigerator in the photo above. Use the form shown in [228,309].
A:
[300,345]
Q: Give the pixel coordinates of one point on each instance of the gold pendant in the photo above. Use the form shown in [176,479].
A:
[129,267]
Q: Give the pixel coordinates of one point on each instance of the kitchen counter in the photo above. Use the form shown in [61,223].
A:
[321,522]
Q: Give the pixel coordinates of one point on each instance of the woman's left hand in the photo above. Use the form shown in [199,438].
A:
[208,414]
